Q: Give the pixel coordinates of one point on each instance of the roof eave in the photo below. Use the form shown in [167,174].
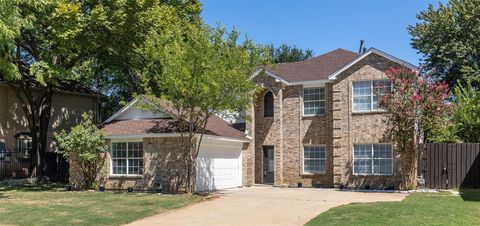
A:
[153,135]
[269,73]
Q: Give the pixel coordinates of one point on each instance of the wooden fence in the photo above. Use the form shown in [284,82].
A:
[450,165]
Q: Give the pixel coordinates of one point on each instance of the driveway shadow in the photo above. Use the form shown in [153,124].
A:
[472,195]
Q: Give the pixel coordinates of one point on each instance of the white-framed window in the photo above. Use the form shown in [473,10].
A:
[372,159]
[24,145]
[3,149]
[127,158]
[365,96]
[314,159]
[314,101]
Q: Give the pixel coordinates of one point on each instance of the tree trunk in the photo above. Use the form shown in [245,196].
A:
[38,114]
[193,175]
[410,168]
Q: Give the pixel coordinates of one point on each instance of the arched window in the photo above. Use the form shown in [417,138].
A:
[268,104]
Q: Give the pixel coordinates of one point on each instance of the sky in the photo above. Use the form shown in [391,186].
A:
[323,25]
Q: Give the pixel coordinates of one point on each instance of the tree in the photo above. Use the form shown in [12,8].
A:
[46,42]
[464,124]
[84,147]
[448,39]
[203,73]
[416,105]
[285,53]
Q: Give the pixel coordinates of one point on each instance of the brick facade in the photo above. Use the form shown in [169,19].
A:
[162,161]
[288,131]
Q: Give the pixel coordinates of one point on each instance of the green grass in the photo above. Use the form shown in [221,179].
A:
[416,209]
[51,205]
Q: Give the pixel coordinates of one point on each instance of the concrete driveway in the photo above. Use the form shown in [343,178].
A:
[264,206]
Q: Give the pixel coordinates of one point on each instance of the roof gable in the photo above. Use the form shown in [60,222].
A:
[132,112]
[132,121]
[334,75]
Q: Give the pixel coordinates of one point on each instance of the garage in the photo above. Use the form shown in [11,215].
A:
[219,166]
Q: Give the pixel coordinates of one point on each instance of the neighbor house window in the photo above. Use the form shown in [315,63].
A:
[127,158]
[268,104]
[372,159]
[365,94]
[24,144]
[314,159]
[314,101]
[2,150]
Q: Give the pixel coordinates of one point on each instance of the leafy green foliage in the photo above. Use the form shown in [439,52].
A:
[416,103]
[84,146]
[201,71]
[97,43]
[447,36]
[285,53]
[464,124]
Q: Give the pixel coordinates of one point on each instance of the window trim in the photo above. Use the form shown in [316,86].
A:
[371,96]
[27,142]
[3,149]
[324,100]
[273,104]
[372,158]
[126,158]
[303,159]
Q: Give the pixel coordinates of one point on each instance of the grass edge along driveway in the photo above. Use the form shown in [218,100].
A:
[51,205]
[417,209]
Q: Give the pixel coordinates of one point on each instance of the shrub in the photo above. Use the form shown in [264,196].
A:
[84,146]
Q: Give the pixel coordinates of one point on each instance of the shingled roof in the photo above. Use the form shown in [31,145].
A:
[215,125]
[66,86]
[316,68]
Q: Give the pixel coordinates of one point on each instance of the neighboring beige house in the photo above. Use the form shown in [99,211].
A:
[69,102]
[317,122]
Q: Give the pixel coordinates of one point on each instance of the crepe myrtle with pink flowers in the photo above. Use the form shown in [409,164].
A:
[416,104]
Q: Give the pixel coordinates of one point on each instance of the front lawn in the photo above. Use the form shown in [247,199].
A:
[416,209]
[50,205]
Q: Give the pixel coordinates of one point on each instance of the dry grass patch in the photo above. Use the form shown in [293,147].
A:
[52,206]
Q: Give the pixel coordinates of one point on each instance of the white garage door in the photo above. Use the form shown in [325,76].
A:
[219,167]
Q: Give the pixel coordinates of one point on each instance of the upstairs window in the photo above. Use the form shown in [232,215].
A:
[365,96]
[314,101]
[268,104]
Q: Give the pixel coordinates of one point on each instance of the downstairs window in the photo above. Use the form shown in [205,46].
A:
[314,159]
[127,158]
[372,159]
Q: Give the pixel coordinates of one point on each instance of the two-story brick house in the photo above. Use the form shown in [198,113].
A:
[317,122]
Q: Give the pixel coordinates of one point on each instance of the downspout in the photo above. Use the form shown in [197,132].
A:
[300,109]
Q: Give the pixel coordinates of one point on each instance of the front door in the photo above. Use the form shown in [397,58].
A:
[268,162]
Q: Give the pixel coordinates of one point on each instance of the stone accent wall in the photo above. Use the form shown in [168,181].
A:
[268,129]
[350,127]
